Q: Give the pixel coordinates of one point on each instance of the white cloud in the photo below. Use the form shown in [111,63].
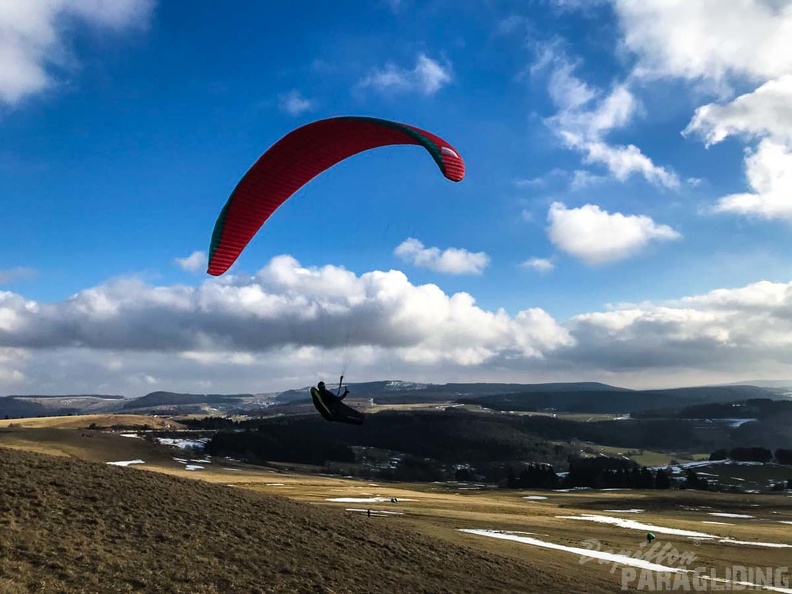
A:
[582,179]
[450,260]
[427,77]
[708,39]
[566,90]
[195,262]
[767,111]
[746,330]
[290,325]
[118,336]
[539,264]
[597,237]
[764,113]
[769,173]
[722,43]
[586,116]
[624,161]
[33,35]
[283,306]
[294,103]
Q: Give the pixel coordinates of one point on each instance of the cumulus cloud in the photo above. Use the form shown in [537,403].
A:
[596,236]
[284,305]
[723,44]
[285,324]
[450,260]
[769,173]
[289,324]
[586,116]
[741,330]
[765,112]
[194,262]
[708,39]
[294,103]
[33,38]
[427,77]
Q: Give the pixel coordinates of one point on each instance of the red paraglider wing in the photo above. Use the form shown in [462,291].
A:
[300,156]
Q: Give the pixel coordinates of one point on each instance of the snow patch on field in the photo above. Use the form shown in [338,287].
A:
[625,511]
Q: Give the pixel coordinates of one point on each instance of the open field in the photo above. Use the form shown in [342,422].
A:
[99,421]
[644,457]
[445,404]
[420,534]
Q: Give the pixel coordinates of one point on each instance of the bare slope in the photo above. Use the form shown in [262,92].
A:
[73,526]
[97,421]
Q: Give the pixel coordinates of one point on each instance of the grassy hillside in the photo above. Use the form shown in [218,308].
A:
[73,526]
[103,421]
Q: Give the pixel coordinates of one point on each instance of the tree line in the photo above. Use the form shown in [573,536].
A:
[459,445]
[754,454]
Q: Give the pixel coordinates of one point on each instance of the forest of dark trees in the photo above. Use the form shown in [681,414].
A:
[594,473]
[459,445]
[756,408]
[756,454]
[613,400]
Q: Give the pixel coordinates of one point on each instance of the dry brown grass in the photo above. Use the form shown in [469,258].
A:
[99,421]
[74,526]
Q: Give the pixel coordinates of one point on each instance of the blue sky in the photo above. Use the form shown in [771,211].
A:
[625,216]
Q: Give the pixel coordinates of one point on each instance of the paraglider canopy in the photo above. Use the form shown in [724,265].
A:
[300,156]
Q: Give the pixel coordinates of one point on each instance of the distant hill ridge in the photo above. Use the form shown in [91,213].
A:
[562,396]
[618,401]
[396,389]
[37,396]
[163,398]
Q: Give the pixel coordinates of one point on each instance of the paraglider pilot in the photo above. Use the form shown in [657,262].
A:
[328,396]
[330,406]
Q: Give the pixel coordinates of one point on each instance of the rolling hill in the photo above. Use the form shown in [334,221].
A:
[590,397]
[75,526]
